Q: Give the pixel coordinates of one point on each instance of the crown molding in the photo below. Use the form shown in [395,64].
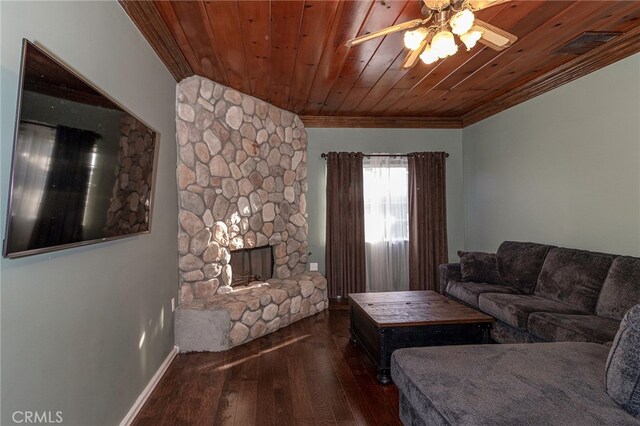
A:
[382,122]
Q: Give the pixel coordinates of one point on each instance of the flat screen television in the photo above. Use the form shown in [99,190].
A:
[82,170]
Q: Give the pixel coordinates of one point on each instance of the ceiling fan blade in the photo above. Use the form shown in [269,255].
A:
[494,37]
[476,5]
[385,31]
[413,56]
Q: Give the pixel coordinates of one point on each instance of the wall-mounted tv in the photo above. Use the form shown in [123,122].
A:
[83,166]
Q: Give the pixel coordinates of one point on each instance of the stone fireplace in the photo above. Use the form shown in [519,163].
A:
[242,182]
[242,165]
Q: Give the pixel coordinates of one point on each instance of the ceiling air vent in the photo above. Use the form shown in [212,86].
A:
[587,41]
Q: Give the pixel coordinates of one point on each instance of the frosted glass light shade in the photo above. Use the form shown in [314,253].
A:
[444,44]
[413,39]
[462,22]
[428,56]
[453,50]
[470,38]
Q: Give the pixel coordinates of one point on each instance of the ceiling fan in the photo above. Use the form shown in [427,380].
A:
[432,37]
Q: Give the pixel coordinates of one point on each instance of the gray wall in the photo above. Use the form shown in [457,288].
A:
[563,168]
[382,140]
[73,321]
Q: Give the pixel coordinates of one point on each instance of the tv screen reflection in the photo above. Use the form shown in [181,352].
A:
[82,166]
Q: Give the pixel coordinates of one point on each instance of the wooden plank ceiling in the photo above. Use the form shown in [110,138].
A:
[292,54]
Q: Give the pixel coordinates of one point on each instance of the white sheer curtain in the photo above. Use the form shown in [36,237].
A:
[386,218]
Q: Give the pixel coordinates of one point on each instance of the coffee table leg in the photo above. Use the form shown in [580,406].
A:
[352,338]
[384,376]
[384,356]
[486,333]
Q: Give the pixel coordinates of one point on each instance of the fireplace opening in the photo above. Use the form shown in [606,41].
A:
[252,264]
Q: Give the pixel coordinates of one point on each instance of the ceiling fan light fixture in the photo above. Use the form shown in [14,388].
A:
[443,44]
[428,55]
[446,25]
[413,39]
[462,22]
[470,38]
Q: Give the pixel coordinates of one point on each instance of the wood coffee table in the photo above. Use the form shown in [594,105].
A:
[384,322]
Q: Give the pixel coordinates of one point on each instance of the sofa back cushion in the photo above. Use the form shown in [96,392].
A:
[622,372]
[574,277]
[520,263]
[621,289]
[479,267]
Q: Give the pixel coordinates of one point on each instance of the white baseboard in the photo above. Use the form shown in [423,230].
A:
[137,406]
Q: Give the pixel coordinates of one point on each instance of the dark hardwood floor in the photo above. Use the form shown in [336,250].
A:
[305,374]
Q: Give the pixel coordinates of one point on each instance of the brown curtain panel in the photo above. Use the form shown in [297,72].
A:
[427,219]
[345,256]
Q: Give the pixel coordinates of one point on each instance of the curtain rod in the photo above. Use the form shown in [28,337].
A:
[324,155]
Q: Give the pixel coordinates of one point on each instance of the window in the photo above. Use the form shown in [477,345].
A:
[386,199]
[386,218]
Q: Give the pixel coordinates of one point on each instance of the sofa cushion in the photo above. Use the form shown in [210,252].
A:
[574,277]
[622,373]
[449,272]
[469,292]
[514,309]
[520,263]
[502,332]
[522,384]
[479,267]
[621,289]
[415,416]
[572,328]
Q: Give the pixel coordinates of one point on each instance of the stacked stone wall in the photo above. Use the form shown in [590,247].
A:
[242,182]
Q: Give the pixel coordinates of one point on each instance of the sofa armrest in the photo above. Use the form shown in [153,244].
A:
[449,272]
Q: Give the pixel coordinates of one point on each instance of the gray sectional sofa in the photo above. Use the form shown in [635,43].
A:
[512,384]
[570,301]
[543,293]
